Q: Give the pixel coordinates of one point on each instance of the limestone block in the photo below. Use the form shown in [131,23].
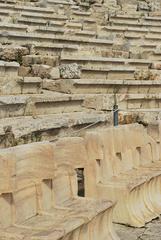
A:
[55,73]
[70,71]
[39,59]
[156,65]
[67,147]
[42,71]
[142,5]
[99,102]
[147,74]
[49,84]
[13,53]
[24,71]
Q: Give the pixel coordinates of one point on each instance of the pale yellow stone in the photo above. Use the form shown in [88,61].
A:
[124,165]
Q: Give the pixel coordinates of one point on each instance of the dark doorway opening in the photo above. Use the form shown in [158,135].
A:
[80,181]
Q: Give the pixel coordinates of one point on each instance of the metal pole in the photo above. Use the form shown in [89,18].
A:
[115,115]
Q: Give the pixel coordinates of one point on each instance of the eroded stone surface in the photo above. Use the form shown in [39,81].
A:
[70,71]
[151,231]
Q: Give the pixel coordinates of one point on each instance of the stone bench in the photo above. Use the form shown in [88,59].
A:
[51,30]
[130,32]
[52,49]
[40,104]
[66,31]
[103,86]
[154,20]
[148,39]
[104,62]
[124,165]
[13,27]
[40,16]
[139,101]
[117,31]
[33,38]
[4,13]
[8,1]
[48,127]
[57,2]
[31,21]
[127,102]
[141,25]
[124,18]
[44,198]
[16,8]
[112,73]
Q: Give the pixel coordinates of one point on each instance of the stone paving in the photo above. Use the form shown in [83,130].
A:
[152,231]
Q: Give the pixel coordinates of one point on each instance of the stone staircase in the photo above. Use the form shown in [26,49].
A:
[64,65]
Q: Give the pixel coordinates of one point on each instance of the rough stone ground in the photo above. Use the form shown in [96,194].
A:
[152,231]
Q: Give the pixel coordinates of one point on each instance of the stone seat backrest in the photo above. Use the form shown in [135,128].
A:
[24,170]
[64,185]
[116,150]
[34,162]
[69,154]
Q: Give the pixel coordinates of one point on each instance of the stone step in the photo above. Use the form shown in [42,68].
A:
[122,73]
[37,22]
[4,12]
[52,49]
[41,104]
[116,31]
[13,27]
[76,15]
[136,19]
[50,127]
[64,30]
[124,18]
[81,13]
[8,1]
[51,30]
[57,2]
[99,86]
[39,16]
[10,85]
[73,25]
[30,85]
[125,101]
[139,101]
[120,29]
[33,38]
[22,8]
[102,61]
[148,39]
[153,26]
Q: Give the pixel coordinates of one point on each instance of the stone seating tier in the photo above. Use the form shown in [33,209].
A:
[40,199]
[126,169]
[26,129]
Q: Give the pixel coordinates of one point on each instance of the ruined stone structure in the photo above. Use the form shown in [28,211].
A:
[65,67]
